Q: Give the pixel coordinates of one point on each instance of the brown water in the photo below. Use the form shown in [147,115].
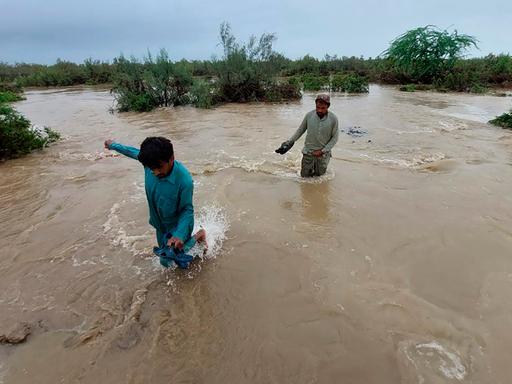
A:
[395,267]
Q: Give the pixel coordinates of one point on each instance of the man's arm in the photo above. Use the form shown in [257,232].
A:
[122,149]
[300,131]
[334,138]
[186,216]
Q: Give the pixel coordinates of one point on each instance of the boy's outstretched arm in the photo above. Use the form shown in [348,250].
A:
[122,149]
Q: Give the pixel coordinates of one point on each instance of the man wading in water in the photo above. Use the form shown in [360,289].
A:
[169,190]
[322,133]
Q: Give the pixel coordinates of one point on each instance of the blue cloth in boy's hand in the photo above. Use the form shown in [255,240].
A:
[169,255]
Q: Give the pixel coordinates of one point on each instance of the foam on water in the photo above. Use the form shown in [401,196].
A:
[119,235]
[427,360]
[287,167]
[450,364]
[88,156]
[413,162]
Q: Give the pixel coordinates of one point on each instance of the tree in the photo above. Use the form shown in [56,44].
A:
[426,53]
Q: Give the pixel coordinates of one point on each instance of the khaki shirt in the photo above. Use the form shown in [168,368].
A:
[321,133]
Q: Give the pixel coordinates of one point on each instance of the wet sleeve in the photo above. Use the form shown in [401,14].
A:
[186,213]
[300,131]
[334,138]
[125,150]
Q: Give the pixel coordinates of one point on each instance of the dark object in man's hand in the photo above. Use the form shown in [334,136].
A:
[285,147]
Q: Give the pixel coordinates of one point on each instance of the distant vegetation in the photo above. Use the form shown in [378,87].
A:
[424,58]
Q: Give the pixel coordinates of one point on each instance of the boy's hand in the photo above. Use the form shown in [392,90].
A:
[108,143]
[175,242]
[318,153]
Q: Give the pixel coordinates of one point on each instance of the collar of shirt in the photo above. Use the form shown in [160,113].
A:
[322,118]
[171,177]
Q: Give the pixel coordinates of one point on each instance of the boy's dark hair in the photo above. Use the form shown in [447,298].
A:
[154,151]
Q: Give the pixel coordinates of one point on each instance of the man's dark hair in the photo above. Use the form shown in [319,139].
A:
[154,151]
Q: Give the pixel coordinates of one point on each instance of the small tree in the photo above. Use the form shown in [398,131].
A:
[426,53]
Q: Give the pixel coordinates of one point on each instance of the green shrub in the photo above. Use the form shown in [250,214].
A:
[314,83]
[10,87]
[351,83]
[203,94]
[18,137]
[407,88]
[504,121]
[9,97]
[154,83]
[248,72]
[278,92]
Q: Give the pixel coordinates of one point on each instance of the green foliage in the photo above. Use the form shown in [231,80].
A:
[96,72]
[426,57]
[248,71]
[278,92]
[11,87]
[154,83]
[314,83]
[63,73]
[9,97]
[504,120]
[408,88]
[342,82]
[203,94]
[351,83]
[426,53]
[17,137]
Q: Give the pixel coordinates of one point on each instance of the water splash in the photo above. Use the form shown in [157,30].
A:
[214,221]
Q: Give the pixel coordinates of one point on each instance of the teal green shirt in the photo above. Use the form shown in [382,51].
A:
[169,198]
[321,133]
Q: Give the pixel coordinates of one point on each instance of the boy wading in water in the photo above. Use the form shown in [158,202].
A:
[321,127]
[169,190]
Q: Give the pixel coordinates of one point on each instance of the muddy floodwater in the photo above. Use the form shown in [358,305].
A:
[394,267]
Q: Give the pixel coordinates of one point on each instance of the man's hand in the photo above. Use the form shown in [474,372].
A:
[285,147]
[108,143]
[318,153]
[175,242]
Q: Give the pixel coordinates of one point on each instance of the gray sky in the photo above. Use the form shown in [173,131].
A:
[40,31]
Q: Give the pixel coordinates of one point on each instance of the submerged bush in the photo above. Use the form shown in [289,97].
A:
[18,137]
[282,92]
[407,88]
[203,94]
[504,121]
[314,83]
[248,72]
[351,83]
[154,83]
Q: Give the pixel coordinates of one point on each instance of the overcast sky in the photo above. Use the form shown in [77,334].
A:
[40,31]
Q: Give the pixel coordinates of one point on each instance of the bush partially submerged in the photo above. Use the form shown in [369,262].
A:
[203,94]
[278,92]
[9,97]
[504,121]
[351,83]
[314,83]
[154,83]
[345,82]
[248,72]
[18,137]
